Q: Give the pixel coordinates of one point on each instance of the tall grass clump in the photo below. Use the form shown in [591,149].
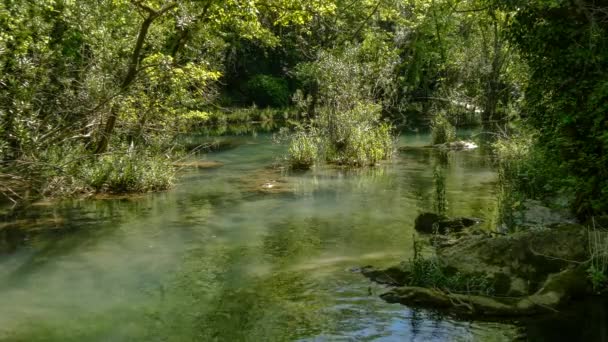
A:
[129,172]
[355,138]
[598,265]
[343,109]
[442,130]
[513,155]
[68,171]
[428,272]
[303,150]
[441,201]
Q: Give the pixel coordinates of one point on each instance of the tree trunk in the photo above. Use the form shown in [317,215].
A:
[102,146]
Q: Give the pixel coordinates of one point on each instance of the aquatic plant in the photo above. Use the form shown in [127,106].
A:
[66,173]
[598,250]
[303,150]
[441,201]
[354,137]
[428,272]
[442,130]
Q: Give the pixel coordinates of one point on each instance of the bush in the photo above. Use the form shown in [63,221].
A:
[68,173]
[130,172]
[442,131]
[303,151]
[345,113]
[268,91]
[354,138]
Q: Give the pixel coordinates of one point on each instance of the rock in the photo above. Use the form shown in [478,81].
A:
[430,223]
[557,290]
[458,145]
[269,180]
[534,214]
[526,258]
[393,276]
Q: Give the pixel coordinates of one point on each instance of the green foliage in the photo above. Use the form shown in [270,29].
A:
[567,94]
[597,277]
[598,266]
[441,201]
[353,138]
[303,150]
[442,130]
[129,172]
[68,171]
[346,118]
[268,91]
[427,272]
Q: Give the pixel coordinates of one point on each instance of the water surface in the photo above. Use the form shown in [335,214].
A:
[217,260]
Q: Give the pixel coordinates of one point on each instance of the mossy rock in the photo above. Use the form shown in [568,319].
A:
[431,223]
[557,290]
[393,276]
[526,257]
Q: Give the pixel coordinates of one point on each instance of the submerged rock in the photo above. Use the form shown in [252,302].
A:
[269,180]
[431,223]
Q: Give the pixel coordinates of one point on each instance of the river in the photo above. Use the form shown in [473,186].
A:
[216,259]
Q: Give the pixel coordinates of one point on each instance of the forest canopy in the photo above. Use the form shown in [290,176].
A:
[94,93]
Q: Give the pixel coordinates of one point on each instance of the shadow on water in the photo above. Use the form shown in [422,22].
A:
[217,260]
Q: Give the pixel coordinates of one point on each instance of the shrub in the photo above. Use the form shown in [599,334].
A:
[67,172]
[129,172]
[442,131]
[345,113]
[354,138]
[303,150]
[268,91]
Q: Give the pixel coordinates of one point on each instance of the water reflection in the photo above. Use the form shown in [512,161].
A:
[216,260]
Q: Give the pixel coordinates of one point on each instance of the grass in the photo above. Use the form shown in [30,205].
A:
[442,131]
[428,272]
[598,267]
[68,171]
[355,137]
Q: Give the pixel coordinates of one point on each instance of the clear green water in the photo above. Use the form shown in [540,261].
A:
[215,260]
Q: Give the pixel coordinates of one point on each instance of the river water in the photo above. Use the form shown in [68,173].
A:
[216,259]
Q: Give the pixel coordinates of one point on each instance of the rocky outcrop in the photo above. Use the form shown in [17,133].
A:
[431,223]
[558,289]
[519,262]
[529,272]
[393,276]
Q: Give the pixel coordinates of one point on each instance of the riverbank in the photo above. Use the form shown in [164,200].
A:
[470,272]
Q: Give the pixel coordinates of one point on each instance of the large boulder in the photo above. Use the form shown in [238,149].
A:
[431,223]
[519,262]
[557,290]
[392,276]
[534,214]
